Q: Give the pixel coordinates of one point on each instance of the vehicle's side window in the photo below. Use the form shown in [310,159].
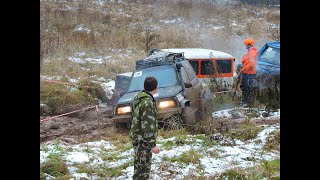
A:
[224,66]
[206,67]
[185,77]
[191,74]
[195,65]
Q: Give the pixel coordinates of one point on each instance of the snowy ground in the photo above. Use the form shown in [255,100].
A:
[239,112]
[165,165]
[214,159]
[227,153]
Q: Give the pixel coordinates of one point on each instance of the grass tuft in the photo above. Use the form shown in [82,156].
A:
[273,141]
[54,166]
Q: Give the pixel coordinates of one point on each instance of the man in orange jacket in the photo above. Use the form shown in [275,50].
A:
[248,71]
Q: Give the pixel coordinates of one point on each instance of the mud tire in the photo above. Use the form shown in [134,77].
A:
[121,127]
[188,116]
[174,123]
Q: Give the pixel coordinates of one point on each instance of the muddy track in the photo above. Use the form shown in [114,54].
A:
[82,126]
[89,125]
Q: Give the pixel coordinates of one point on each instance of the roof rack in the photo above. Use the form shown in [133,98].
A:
[157,57]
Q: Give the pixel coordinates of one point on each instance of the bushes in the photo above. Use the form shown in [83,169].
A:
[63,98]
[92,89]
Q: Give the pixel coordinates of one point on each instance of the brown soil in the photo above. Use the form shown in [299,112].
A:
[79,127]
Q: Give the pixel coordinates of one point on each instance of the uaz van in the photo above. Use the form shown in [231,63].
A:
[207,63]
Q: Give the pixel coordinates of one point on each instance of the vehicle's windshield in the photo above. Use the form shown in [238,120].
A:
[271,55]
[165,75]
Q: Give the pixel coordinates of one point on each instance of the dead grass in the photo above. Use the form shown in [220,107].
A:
[172,133]
[119,139]
[63,98]
[54,166]
[265,169]
[109,24]
[273,141]
[98,29]
[245,131]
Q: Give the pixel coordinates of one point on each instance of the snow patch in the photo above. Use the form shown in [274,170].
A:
[82,28]
[108,88]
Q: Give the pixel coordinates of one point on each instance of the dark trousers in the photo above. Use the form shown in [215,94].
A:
[247,88]
[142,162]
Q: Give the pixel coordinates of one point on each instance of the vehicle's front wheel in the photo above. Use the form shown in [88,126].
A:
[188,116]
[120,127]
[174,123]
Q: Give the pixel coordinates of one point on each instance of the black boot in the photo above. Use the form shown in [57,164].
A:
[244,100]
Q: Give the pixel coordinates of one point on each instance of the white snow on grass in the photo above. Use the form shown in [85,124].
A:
[77,157]
[72,80]
[82,53]
[241,154]
[239,112]
[80,57]
[275,114]
[95,60]
[102,79]
[218,27]
[45,77]
[82,28]
[172,21]
[76,60]
[222,114]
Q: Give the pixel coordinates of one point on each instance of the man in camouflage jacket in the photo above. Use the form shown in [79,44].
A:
[144,129]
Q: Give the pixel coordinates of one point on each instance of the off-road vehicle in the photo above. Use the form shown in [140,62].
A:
[180,97]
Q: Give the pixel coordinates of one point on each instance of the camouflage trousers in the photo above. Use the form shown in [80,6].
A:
[142,162]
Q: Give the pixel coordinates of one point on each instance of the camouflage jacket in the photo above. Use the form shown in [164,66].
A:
[144,125]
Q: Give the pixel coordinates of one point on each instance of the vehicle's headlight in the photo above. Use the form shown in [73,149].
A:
[123,110]
[166,103]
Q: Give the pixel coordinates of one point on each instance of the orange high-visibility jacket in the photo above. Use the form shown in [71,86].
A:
[249,61]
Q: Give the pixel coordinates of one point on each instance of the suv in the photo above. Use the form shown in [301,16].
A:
[180,96]
[268,71]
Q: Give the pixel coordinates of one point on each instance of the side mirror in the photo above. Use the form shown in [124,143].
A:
[187,85]
[178,65]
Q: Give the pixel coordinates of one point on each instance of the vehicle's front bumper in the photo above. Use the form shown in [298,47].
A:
[162,115]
